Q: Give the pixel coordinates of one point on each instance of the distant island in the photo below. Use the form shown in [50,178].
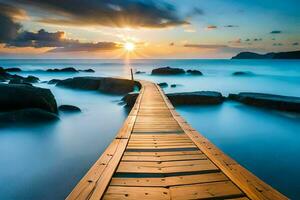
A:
[280,55]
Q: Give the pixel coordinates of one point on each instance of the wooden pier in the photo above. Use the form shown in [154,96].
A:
[158,155]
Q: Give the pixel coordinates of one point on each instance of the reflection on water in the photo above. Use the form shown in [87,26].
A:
[265,142]
[46,161]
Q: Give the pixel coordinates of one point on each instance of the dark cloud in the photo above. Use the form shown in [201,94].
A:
[295,44]
[205,46]
[231,26]
[276,32]
[8,27]
[113,13]
[57,39]
[196,11]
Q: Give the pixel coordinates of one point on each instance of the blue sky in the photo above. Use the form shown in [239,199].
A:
[159,29]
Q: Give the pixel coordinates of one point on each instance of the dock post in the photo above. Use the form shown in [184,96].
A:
[131,72]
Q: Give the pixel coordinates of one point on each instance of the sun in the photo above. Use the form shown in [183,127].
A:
[129,46]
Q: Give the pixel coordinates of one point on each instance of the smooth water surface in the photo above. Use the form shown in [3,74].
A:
[46,161]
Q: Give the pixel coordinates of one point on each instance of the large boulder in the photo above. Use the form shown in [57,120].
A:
[194,72]
[67,69]
[167,71]
[29,115]
[107,85]
[87,70]
[13,69]
[19,96]
[68,108]
[196,98]
[116,86]
[277,102]
[185,98]
[83,83]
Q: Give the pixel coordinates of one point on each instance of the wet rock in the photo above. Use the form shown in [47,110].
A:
[271,101]
[130,98]
[54,81]
[194,72]
[87,70]
[68,69]
[167,71]
[13,69]
[185,98]
[173,85]
[31,79]
[69,108]
[163,84]
[196,98]
[139,72]
[83,83]
[241,73]
[30,115]
[20,96]
[108,85]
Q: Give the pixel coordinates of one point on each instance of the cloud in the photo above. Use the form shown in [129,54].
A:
[211,27]
[172,44]
[57,40]
[276,32]
[196,11]
[205,46]
[231,26]
[9,28]
[295,44]
[112,13]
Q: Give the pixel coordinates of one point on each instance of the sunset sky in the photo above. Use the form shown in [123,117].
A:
[159,29]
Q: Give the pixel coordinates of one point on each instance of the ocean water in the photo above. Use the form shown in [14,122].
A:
[46,161]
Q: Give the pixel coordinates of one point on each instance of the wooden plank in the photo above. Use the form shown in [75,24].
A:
[138,193]
[172,153]
[225,189]
[164,158]
[166,167]
[169,181]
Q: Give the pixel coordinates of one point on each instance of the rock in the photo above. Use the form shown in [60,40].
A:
[69,108]
[173,85]
[13,69]
[241,73]
[194,72]
[68,69]
[167,71]
[277,102]
[108,85]
[87,70]
[31,79]
[29,115]
[116,86]
[18,81]
[139,72]
[54,81]
[163,84]
[19,96]
[83,83]
[185,98]
[196,98]
[130,99]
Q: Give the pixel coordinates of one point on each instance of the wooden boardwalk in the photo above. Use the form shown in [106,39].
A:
[157,155]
